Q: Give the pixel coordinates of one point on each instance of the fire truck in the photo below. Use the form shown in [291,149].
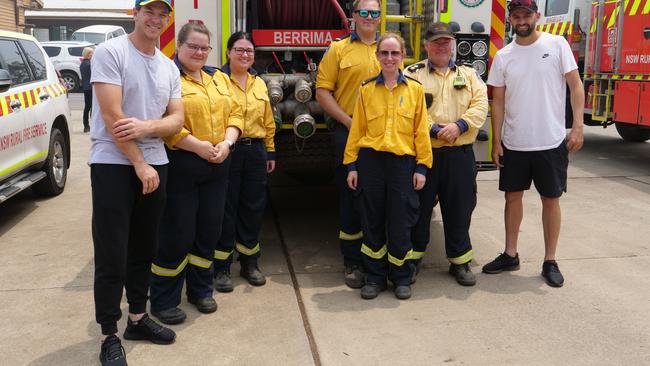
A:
[291,37]
[611,43]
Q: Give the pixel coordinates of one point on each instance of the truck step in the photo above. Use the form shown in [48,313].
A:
[19,183]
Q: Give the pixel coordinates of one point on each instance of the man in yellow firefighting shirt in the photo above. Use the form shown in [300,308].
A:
[458,110]
[349,61]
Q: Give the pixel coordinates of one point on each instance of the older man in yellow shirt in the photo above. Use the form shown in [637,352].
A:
[458,110]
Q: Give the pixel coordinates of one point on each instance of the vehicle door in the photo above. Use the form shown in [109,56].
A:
[12,109]
[44,92]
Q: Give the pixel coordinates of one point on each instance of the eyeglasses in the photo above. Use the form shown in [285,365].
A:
[195,48]
[374,14]
[384,53]
[240,51]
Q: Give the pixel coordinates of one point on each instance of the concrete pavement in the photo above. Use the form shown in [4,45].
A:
[305,316]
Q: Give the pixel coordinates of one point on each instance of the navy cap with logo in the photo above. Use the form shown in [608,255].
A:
[529,5]
[147,2]
[439,30]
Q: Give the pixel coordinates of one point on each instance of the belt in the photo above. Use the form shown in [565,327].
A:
[248,141]
[465,148]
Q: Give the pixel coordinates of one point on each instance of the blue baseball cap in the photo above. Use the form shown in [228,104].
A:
[147,2]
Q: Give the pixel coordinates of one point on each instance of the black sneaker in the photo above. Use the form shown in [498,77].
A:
[502,263]
[112,353]
[371,290]
[146,329]
[355,277]
[223,282]
[551,273]
[463,274]
[170,316]
[253,275]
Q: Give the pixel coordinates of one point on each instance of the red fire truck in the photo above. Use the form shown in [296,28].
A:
[611,42]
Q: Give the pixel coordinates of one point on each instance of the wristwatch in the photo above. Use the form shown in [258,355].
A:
[231,144]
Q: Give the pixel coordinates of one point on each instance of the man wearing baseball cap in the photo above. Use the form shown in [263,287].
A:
[459,108]
[136,93]
[529,139]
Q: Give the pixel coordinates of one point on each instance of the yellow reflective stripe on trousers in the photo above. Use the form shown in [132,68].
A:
[167,272]
[198,261]
[241,248]
[417,255]
[375,255]
[463,258]
[222,256]
[400,262]
[345,236]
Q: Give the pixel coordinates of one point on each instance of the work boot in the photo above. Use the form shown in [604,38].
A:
[170,316]
[223,282]
[112,353]
[253,275]
[146,329]
[371,290]
[463,274]
[551,273]
[205,305]
[403,292]
[355,277]
[415,268]
[503,262]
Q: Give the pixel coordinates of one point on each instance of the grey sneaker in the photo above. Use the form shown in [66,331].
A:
[355,277]
[223,282]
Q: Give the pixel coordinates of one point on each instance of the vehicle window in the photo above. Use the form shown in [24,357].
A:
[120,32]
[35,59]
[52,51]
[556,7]
[76,51]
[95,38]
[11,55]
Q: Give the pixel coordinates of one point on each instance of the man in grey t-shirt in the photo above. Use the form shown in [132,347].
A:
[137,101]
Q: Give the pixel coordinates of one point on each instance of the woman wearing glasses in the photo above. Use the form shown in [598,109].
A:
[252,160]
[388,153]
[197,183]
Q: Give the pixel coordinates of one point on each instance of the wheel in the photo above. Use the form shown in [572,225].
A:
[55,168]
[71,80]
[632,133]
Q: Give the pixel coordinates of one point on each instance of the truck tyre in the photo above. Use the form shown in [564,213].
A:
[71,80]
[632,133]
[55,168]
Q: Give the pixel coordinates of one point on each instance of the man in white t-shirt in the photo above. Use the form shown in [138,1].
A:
[137,100]
[530,143]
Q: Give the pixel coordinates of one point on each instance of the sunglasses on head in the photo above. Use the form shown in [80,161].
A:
[365,12]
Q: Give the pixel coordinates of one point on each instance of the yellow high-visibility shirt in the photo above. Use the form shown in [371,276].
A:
[393,121]
[257,110]
[209,108]
[450,105]
[345,65]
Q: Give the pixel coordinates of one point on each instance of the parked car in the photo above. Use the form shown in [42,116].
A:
[34,116]
[66,57]
[97,33]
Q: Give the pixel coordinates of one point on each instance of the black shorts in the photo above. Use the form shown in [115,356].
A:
[547,168]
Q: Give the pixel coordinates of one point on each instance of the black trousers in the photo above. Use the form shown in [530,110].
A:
[350,234]
[388,204]
[88,103]
[453,180]
[191,226]
[125,227]
[244,206]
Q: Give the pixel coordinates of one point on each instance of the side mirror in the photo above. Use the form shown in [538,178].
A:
[5,80]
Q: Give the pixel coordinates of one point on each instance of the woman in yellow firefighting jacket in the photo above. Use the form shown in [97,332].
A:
[388,153]
[197,183]
[252,159]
